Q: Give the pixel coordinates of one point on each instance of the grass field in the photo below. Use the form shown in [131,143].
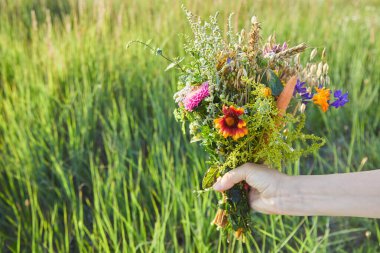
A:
[92,160]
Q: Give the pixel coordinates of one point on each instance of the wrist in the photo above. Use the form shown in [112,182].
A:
[291,199]
[284,191]
[307,195]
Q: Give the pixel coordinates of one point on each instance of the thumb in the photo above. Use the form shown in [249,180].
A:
[232,177]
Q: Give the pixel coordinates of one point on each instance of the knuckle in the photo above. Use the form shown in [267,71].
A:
[228,176]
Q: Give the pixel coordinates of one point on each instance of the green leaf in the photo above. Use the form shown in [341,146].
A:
[210,177]
[170,66]
[272,81]
[173,64]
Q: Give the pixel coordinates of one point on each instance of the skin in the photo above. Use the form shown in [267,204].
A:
[354,194]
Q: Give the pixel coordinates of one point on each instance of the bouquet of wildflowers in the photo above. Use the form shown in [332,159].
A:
[245,101]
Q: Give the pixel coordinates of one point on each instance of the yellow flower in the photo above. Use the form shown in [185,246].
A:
[266,91]
[321,98]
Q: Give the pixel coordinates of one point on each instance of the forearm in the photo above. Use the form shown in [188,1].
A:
[351,194]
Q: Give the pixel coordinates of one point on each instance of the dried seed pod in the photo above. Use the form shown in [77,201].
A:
[327,80]
[325,69]
[291,51]
[220,219]
[320,66]
[239,235]
[269,39]
[297,59]
[319,73]
[242,33]
[314,81]
[324,54]
[319,70]
[272,38]
[254,39]
[302,108]
[242,36]
[313,69]
[322,80]
[313,54]
[245,72]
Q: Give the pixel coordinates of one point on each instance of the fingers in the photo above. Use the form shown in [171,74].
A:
[232,177]
[257,203]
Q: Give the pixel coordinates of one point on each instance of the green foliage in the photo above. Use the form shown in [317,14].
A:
[92,160]
[238,205]
[210,177]
[272,81]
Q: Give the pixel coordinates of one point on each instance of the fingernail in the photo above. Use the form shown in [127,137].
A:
[217,185]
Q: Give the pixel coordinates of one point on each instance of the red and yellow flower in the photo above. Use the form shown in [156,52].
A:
[321,98]
[230,124]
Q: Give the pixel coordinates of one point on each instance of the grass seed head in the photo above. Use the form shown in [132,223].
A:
[313,54]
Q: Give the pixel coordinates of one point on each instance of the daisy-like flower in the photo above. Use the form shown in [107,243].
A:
[341,99]
[230,124]
[191,96]
[322,98]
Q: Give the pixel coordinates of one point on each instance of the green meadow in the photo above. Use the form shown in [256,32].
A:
[92,159]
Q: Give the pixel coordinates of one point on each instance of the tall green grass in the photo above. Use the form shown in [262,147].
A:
[92,160]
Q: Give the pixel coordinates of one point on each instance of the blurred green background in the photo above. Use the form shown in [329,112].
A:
[92,160]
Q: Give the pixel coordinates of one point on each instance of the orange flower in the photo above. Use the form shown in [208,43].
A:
[230,124]
[321,98]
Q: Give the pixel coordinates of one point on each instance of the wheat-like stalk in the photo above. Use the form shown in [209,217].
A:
[291,51]
[254,39]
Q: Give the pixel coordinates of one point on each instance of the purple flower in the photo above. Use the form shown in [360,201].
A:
[300,89]
[341,99]
[270,49]
[306,96]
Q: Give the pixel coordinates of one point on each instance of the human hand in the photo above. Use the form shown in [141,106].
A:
[265,183]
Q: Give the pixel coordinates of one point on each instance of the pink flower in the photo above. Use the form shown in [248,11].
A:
[196,96]
[270,50]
